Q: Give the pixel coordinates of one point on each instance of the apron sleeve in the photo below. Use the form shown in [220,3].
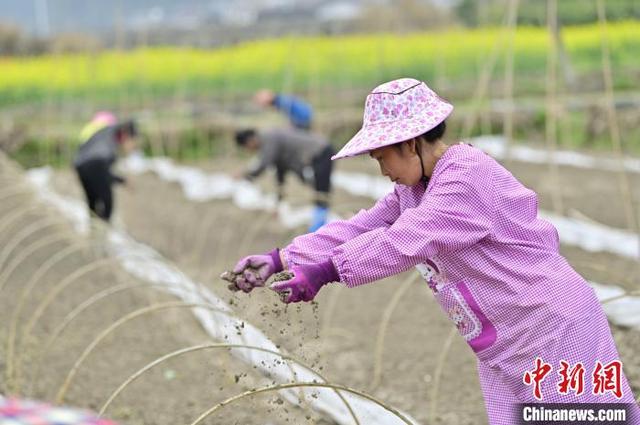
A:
[317,246]
[456,213]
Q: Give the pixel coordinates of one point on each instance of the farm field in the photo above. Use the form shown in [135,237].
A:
[426,370]
[450,58]
[129,317]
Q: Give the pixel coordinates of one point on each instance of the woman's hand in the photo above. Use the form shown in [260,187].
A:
[303,282]
[253,271]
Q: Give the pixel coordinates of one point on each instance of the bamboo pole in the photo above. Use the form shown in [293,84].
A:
[486,73]
[614,129]
[551,120]
[507,128]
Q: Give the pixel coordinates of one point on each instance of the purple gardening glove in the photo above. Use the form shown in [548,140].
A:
[306,281]
[253,271]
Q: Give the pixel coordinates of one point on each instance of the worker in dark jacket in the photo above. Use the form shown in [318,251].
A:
[306,154]
[94,160]
[299,112]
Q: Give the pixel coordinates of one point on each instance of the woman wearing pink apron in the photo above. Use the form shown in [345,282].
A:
[471,229]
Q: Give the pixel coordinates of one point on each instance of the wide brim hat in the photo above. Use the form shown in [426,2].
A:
[395,112]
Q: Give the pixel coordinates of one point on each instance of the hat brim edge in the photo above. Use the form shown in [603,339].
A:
[364,150]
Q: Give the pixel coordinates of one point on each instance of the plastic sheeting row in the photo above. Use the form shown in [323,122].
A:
[496,146]
[199,186]
[148,265]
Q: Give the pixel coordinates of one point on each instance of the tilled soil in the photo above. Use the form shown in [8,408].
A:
[172,393]
[427,370]
[337,334]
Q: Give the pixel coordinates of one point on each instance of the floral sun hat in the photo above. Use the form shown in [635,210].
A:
[395,112]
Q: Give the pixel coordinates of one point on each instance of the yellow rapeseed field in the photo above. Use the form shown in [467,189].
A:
[302,63]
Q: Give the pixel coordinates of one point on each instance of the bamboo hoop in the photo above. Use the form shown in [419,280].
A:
[28,252]
[123,320]
[94,299]
[438,374]
[384,325]
[177,353]
[27,231]
[230,400]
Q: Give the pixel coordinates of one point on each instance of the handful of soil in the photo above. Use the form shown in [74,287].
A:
[232,277]
[282,276]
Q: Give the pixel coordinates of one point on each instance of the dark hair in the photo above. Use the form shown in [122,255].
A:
[126,128]
[435,133]
[243,136]
[430,136]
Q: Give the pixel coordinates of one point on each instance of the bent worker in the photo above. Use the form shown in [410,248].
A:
[299,112]
[307,154]
[473,231]
[94,161]
[100,120]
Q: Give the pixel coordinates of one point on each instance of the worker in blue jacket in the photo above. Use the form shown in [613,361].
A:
[298,111]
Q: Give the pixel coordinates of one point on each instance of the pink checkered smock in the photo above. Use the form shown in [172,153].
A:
[493,266]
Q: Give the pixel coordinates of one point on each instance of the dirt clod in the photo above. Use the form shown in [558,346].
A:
[282,276]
